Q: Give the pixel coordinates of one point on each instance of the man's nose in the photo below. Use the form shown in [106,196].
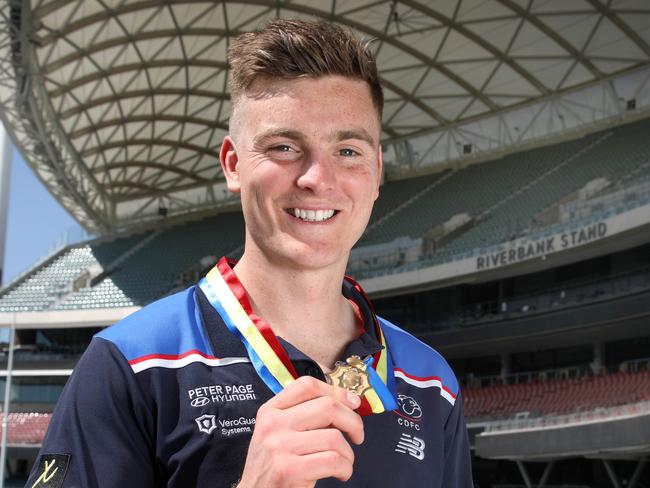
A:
[318,173]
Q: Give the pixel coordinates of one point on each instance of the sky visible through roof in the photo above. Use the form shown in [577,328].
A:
[36,220]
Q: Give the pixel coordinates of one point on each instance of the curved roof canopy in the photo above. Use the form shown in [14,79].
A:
[120,106]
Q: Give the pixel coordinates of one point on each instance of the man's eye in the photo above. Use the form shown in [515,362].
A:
[347,152]
[281,148]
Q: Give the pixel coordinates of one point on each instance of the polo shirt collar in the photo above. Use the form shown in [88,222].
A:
[225,344]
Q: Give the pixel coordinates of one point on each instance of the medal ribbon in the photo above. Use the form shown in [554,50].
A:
[269,358]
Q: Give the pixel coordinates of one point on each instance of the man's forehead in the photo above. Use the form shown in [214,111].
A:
[265,88]
[268,86]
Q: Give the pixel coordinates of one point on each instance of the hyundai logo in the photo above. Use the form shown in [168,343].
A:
[200,401]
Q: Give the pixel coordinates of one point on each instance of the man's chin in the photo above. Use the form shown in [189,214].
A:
[312,258]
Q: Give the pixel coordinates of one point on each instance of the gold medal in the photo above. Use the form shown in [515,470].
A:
[351,376]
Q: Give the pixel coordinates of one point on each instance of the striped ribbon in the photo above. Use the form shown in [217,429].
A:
[269,358]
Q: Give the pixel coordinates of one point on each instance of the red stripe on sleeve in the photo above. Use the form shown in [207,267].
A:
[170,356]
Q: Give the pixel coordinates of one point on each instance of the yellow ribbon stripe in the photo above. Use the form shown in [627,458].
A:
[248,329]
[375,403]
[373,400]
[382,364]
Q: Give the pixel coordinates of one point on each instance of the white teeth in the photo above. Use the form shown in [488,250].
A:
[312,215]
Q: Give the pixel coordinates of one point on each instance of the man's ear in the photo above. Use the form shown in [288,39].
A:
[380,168]
[230,164]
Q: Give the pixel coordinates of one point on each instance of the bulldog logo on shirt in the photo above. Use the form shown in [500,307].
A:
[409,406]
[409,413]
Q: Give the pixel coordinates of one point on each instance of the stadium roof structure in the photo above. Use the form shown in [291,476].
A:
[120,106]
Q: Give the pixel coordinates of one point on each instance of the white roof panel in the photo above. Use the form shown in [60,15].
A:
[134,97]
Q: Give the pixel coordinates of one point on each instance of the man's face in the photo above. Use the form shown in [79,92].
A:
[305,156]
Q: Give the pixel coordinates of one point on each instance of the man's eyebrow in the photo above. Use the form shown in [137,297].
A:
[342,135]
[361,134]
[268,134]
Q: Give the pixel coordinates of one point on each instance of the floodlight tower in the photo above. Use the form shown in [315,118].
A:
[5,177]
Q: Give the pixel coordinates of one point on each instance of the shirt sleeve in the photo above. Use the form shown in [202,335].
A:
[100,434]
[458,466]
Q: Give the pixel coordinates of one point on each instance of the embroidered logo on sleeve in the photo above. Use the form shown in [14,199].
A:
[51,471]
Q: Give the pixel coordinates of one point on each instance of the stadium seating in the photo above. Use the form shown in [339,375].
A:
[556,397]
[153,269]
[472,190]
[393,194]
[504,195]
[40,289]
[26,429]
[615,157]
[45,287]
[138,268]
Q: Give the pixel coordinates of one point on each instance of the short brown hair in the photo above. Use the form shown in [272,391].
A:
[293,48]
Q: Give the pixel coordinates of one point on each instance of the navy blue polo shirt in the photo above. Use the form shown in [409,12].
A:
[168,397]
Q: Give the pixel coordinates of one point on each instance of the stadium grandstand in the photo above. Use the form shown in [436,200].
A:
[512,231]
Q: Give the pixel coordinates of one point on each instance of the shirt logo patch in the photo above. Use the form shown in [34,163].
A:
[409,406]
[51,471]
[206,423]
[412,445]
[241,425]
[201,396]
[409,413]
[200,401]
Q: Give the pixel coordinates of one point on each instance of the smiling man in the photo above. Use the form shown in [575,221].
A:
[273,371]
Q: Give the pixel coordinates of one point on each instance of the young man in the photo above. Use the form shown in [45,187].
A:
[274,371]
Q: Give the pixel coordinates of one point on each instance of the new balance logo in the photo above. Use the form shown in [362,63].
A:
[411,445]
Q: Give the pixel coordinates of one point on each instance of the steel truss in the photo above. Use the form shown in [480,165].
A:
[554,119]
[120,106]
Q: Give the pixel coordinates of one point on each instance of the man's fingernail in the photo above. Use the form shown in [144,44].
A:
[353,399]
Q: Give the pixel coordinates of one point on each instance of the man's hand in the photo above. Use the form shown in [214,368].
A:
[299,437]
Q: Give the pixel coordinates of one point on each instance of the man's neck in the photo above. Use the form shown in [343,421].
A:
[305,307]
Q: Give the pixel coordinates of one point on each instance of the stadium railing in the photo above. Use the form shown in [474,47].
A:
[402,258]
[567,295]
[595,415]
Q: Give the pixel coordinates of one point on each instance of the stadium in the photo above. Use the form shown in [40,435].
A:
[512,231]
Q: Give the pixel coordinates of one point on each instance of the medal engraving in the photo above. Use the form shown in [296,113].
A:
[350,375]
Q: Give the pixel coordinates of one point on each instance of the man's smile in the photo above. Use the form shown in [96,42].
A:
[312,215]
